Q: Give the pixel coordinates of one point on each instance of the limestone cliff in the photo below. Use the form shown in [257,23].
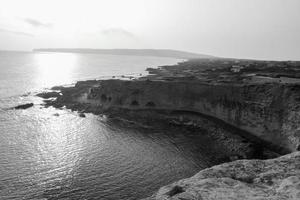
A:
[260,97]
[270,111]
[244,179]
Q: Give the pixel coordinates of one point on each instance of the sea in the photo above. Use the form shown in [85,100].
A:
[49,154]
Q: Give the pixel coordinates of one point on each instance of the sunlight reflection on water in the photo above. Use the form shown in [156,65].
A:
[54,69]
[22,73]
[47,153]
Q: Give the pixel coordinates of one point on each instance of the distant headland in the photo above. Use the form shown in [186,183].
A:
[133,52]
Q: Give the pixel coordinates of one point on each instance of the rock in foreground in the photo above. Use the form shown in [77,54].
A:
[244,179]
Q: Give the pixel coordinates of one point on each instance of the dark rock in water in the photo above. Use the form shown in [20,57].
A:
[24,106]
[47,95]
[56,114]
[82,115]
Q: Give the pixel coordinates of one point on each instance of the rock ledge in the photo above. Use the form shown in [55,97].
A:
[243,179]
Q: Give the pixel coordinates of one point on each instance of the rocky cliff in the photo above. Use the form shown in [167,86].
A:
[244,179]
[268,111]
[261,99]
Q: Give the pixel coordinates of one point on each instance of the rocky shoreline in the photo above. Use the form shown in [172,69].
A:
[260,100]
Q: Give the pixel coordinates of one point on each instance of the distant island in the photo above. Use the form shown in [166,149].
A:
[133,52]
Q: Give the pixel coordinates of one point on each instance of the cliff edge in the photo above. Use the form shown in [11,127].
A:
[270,112]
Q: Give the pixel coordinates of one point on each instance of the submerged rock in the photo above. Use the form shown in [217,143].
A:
[24,106]
[244,179]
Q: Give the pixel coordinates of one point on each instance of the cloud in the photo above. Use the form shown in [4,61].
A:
[37,23]
[16,32]
[118,32]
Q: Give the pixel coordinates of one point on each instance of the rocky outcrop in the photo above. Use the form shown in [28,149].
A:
[270,112]
[243,179]
[48,95]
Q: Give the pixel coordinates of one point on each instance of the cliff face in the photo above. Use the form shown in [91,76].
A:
[244,179]
[269,111]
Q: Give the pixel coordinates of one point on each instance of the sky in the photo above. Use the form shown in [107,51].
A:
[260,29]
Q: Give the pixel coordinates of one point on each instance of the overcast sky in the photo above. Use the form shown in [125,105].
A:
[263,29]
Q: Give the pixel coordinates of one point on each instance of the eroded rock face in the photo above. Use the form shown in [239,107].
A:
[269,111]
[244,179]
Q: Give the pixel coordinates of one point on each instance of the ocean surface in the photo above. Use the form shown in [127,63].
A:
[46,153]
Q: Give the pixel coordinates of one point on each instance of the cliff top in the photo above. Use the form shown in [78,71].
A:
[228,71]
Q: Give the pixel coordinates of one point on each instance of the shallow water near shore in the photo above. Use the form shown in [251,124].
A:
[47,153]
